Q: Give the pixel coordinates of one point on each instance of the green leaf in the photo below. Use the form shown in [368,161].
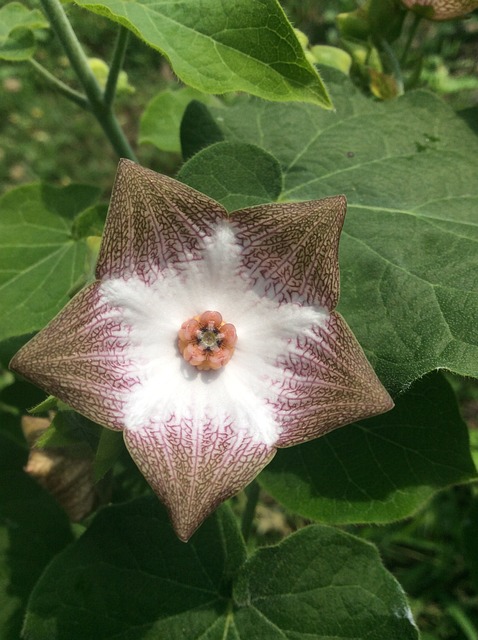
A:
[216,46]
[6,378]
[332,57]
[381,469]
[46,405]
[253,176]
[70,429]
[20,45]
[14,449]
[89,222]
[128,576]
[40,260]
[17,41]
[33,529]
[198,129]
[162,117]
[20,397]
[323,584]
[110,447]
[409,253]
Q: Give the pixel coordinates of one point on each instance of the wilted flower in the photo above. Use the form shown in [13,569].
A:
[441,9]
[208,339]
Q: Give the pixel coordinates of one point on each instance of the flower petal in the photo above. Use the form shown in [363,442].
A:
[441,9]
[294,248]
[327,383]
[193,466]
[153,222]
[80,358]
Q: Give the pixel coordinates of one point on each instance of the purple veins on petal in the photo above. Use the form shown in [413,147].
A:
[195,467]
[81,357]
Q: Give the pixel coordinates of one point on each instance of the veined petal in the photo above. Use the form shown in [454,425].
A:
[194,466]
[170,254]
[153,223]
[327,382]
[80,357]
[242,393]
[293,248]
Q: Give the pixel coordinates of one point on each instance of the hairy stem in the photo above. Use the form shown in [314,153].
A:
[252,493]
[77,57]
[64,89]
[116,65]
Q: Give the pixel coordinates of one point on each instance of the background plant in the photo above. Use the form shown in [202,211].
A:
[407,163]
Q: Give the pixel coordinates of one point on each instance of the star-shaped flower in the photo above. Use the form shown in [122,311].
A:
[209,339]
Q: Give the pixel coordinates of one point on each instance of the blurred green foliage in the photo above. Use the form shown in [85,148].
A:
[43,136]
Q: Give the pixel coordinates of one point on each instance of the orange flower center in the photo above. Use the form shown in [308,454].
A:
[206,341]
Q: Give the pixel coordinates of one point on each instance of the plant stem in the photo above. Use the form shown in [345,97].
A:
[116,66]
[394,65]
[411,34]
[63,29]
[463,621]
[103,113]
[63,88]
[252,493]
[115,135]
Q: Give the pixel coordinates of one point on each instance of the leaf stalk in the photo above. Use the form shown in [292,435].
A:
[116,66]
[63,88]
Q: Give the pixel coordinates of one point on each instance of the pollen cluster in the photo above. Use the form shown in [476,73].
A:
[206,341]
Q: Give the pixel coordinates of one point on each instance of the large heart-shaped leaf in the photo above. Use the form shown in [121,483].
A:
[216,46]
[409,252]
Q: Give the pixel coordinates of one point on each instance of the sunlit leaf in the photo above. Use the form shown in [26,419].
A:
[217,46]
